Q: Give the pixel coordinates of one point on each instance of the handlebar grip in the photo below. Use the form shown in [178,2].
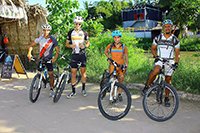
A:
[32,59]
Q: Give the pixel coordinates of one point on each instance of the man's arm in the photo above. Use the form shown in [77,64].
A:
[57,54]
[177,55]
[154,50]
[87,44]
[69,45]
[29,55]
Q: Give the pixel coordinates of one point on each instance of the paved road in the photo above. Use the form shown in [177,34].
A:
[80,114]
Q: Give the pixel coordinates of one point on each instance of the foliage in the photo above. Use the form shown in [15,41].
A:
[190,44]
[144,43]
[107,12]
[182,12]
[61,14]
[187,76]
[97,60]
[93,28]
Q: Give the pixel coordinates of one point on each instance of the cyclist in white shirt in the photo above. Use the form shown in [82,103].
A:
[77,39]
[165,46]
[47,44]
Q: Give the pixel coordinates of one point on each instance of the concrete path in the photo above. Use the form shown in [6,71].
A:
[81,114]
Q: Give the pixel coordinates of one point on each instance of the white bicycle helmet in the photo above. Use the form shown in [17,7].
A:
[46,27]
[78,19]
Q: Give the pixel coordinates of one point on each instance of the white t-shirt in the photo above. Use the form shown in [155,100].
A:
[77,37]
[166,46]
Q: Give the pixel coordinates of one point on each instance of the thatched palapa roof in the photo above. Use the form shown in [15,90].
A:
[15,10]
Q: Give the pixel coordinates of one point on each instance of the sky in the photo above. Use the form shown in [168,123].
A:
[42,2]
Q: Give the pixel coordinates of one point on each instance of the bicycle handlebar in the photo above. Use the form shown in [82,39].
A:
[123,67]
[167,62]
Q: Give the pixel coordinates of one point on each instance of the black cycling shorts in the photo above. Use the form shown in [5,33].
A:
[48,64]
[78,58]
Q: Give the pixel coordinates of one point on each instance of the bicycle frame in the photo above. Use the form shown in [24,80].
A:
[160,80]
[42,73]
[113,80]
[161,76]
[66,72]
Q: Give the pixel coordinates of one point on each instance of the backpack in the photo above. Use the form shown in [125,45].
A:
[174,40]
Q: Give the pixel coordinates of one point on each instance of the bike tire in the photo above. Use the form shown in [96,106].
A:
[34,85]
[56,79]
[59,89]
[102,95]
[150,93]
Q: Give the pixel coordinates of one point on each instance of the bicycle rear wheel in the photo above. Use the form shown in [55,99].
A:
[118,108]
[154,106]
[35,88]
[60,88]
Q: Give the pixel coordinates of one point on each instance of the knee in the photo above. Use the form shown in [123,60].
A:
[73,74]
[121,78]
[155,71]
[84,75]
[168,80]
[51,74]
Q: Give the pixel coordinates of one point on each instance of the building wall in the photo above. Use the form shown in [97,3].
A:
[21,35]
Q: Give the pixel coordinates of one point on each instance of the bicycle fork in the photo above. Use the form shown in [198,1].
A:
[60,78]
[113,91]
[40,81]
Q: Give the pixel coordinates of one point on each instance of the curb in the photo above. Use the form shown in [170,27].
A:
[181,94]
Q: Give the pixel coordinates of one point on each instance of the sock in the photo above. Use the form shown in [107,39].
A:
[73,89]
[83,86]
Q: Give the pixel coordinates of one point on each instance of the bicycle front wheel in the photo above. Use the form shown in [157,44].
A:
[154,102]
[35,88]
[119,106]
[60,88]
[56,79]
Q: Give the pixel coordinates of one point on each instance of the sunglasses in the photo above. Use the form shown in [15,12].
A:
[46,30]
[77,24]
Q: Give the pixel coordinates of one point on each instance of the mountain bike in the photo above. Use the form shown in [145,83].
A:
[39,78]
[114,99]
[65,78]
[154,99]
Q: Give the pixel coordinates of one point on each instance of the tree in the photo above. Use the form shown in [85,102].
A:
[61,14]
[182,12]
[110,12]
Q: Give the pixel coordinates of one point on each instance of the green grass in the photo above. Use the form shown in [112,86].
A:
[186,77]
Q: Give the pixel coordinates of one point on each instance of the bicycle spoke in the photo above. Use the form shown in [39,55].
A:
[116,108]
[154,104]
